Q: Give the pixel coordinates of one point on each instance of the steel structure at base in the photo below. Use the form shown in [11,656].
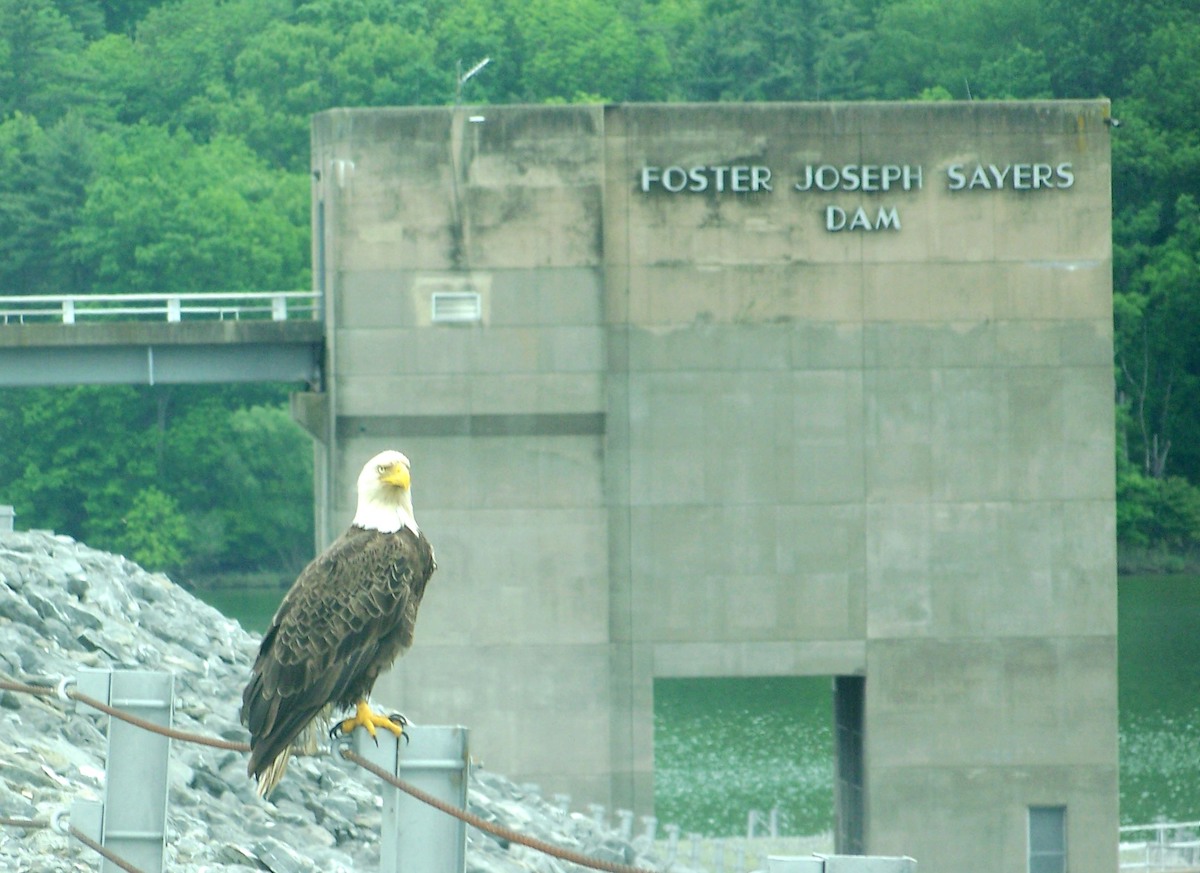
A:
[131,820]
[415,837]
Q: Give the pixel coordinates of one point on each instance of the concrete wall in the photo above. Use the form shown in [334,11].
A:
[503,420]
[701,434]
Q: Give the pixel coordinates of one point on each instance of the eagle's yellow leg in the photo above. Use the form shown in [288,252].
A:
[363,717]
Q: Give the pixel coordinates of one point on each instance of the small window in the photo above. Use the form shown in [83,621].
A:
[1047,839]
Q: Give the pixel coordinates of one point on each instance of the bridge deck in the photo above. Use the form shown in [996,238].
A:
[146,352]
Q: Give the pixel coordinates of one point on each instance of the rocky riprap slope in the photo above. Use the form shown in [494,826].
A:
[64,606]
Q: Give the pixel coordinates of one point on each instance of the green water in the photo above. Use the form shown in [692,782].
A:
[723,747]
[726,746]
[252,607]
[1159,675]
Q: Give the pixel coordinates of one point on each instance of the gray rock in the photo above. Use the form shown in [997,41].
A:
[64,606]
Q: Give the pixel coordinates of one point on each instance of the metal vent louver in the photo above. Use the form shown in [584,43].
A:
[456,307]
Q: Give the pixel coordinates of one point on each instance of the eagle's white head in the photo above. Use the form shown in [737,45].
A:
[385,494]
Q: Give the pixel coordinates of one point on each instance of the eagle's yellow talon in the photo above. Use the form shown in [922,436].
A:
[364,718]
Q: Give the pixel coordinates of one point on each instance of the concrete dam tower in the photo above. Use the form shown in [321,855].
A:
[748,390]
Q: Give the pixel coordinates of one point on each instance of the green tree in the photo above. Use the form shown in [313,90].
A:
[294,69]
[122,16]
[168,214]
[39,59]
[86,16]
[271,470]
[43,180]
[588,49]
[281,78]
[1157,314]
[466,32]
[1157,519]
[21,142]
[976,49]
[73,456]
[185,478]
[777,50]
[387,65]
[153,532]
[243,477]
[1094,47]
[177,53]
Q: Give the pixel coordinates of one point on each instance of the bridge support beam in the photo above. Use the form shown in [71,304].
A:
[161,353]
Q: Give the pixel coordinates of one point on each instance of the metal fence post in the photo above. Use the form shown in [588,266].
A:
[134,817]
[414,837]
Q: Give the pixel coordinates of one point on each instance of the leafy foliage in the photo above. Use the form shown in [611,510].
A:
[168,213]
[164,145]
[153,532]
[192,478]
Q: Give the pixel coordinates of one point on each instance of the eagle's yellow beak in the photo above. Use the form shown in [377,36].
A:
[397,475]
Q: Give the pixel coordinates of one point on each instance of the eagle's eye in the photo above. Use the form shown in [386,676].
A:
[381,469]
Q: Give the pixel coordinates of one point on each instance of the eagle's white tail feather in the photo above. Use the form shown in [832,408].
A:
[270,777]
[307,743]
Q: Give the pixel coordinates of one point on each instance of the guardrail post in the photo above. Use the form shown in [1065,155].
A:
[174,309]
[625,826]
[278,307]
[68,310]
[672,842]
[87,816]
[415,838]
[134,815]
[650,824]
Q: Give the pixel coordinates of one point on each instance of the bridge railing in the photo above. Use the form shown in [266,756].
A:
[211,306]
[1163,846]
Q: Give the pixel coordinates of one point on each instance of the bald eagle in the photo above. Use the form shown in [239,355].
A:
[349,614]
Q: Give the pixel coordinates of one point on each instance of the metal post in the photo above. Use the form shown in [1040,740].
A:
[625,826]
[278,308]
[672,842]
[134,816]
[68,311]
[650,823]
[414,837]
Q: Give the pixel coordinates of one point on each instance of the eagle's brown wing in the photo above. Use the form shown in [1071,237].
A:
[346,618]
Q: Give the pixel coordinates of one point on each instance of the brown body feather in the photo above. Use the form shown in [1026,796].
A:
[348,616]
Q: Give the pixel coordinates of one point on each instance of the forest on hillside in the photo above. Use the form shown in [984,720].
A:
[163,146]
